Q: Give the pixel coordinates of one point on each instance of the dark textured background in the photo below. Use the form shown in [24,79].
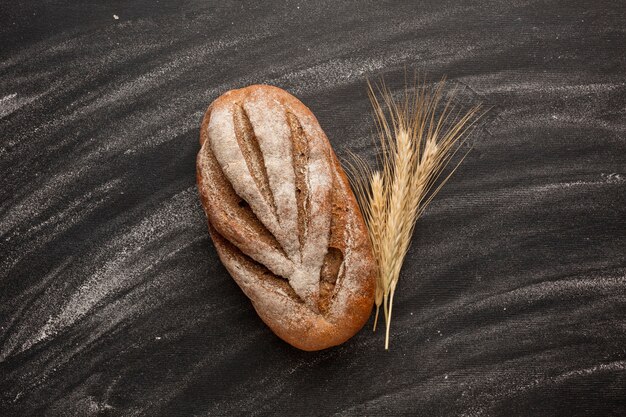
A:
[113,301]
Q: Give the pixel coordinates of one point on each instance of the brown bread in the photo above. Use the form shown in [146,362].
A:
[283,218]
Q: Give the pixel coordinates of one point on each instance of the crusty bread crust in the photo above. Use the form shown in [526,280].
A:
[283,218]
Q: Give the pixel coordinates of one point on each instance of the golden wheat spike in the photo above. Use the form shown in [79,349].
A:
[418,136]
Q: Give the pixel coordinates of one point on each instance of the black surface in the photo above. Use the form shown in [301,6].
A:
[112,299]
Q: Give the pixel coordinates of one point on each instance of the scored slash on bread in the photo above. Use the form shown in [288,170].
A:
[283,218]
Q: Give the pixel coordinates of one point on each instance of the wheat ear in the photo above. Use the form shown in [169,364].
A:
[418,135]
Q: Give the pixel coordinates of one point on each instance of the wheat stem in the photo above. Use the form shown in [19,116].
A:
[376,317]
[393,290]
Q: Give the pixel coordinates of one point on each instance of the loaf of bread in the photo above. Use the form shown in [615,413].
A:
[283,218]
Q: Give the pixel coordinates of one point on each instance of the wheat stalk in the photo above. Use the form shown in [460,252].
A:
[418,135]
